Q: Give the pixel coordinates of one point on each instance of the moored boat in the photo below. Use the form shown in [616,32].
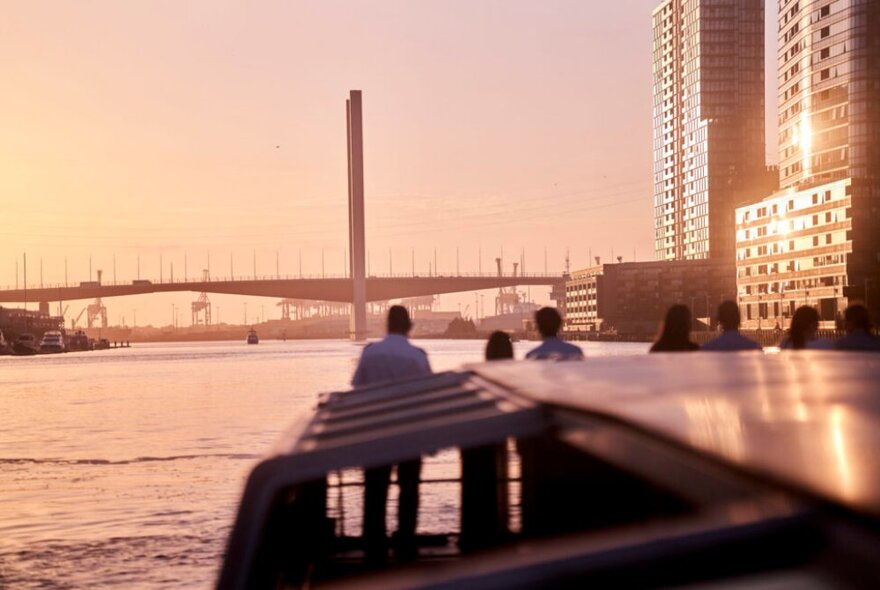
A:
[78,341]
[252,337]
[666,470]
[26,344]
[52,342]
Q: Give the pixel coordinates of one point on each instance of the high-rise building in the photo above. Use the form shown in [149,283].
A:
[708,122]
[818,240]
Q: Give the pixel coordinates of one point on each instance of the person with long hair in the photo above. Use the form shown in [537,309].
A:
[499,347]
[802,332]
[676,331]
[482,468]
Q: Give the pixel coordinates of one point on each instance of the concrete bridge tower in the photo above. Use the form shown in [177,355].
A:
[356,238]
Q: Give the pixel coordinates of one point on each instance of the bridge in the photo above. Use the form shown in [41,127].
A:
[338,289]
[356,288]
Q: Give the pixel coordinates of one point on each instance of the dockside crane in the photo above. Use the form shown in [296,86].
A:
[202,304]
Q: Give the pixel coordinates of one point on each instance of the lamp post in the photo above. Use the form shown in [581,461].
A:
[693,319]
[708,315]
[782,305]
[759,310]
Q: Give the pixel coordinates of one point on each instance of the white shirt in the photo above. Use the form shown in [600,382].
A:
[731,340]
[555,349]
[391,358]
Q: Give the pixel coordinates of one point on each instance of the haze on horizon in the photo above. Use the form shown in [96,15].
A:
[178,129]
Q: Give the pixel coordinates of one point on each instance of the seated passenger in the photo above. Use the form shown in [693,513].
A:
[730,338]
[803,330]
[499,347]
[549,322]
[857,322]
[675,335]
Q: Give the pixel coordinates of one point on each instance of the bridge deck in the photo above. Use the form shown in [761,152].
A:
[328,289]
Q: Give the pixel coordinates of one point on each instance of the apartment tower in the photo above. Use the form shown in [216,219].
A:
[829,112]
[817,241]
[708,122]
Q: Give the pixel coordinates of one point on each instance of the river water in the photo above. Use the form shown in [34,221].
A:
[122,468]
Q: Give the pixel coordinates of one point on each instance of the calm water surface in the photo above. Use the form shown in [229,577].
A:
[122,468]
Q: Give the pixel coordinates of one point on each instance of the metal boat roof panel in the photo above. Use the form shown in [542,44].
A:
[809,419]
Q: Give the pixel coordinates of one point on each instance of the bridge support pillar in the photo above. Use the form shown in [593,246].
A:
[356,237]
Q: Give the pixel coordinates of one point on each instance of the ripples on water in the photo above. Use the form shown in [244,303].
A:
[122,468]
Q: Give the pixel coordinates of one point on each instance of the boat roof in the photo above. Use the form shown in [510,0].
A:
[809,420]
[805,419]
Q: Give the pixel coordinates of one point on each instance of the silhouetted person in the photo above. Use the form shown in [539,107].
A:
[857,322]
[499,346]
[803,329]
[730,338]
[391,358]
[549,322]
[482,468]
[676,331]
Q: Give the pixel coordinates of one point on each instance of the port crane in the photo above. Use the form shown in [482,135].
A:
[202,304]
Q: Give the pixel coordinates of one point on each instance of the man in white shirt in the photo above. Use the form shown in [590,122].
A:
[391,358]
[549,322]
[730,339]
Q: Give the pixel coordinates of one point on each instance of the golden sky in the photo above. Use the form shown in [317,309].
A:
[140,129]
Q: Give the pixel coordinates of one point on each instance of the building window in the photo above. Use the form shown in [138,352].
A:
[824,32]
[815,240]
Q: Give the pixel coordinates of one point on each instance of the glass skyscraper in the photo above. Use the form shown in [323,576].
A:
[708,122]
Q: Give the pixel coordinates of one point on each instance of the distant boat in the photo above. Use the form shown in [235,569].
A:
[252,337]
[25,345]
[53,341]
[79,341]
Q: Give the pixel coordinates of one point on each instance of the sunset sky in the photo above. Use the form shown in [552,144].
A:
[186,128]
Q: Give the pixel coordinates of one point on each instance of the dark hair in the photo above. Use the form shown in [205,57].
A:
[398,320]
[549,321]
[728,315]
[805,318]
[676,330]
[857,317]
[499,346]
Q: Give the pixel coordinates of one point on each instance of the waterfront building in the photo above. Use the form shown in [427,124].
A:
[17,321]
[708,122]
[582,300]
[631,298]
[792,249]
[817,240]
